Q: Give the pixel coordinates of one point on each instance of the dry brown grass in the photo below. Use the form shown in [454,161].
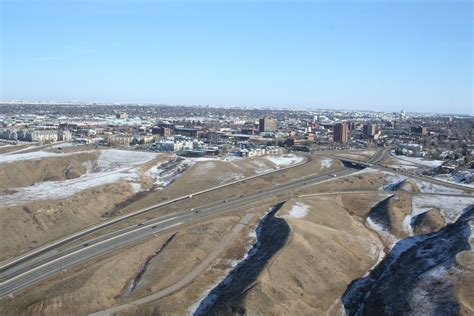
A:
[28,172]
[332,248]
[27,226]
[99,284]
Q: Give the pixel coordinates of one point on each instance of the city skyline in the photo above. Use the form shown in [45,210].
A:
[378,56]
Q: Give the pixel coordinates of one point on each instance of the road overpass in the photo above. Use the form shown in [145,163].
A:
[375,162]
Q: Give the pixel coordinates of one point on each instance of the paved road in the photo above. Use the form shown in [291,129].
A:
[363,192]
[188,278]
[26,273]
[45,264]
[375,163]
[45,248]
[380,155]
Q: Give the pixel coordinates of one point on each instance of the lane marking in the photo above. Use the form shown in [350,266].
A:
[86,248]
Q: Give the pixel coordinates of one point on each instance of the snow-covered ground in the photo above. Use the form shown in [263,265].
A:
[7,158]
[112,159]
[456,179]
[261,166]
[392,181]
[136,187]
[428,187]
[421,161]
[389,239]
[66,145]
[326,163]
[166,173]
[112,166]
[298,210]
[365,170]
[285,160]
[451,207]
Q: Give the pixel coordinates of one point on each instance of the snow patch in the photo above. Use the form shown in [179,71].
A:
[112,159]
[365,170]
[166,173]
[451,207]
[454,179]
[286,160]
[114,166]
[389,239]
[261,167]
[228,177]
[136,187]
[428,187]
[298,210]
[8,158]
[66,145]
[392,181]
[421,161]
[326,163]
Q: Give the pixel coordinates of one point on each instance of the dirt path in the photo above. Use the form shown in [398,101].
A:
[189,277]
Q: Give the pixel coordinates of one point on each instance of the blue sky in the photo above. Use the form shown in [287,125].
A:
[376,55]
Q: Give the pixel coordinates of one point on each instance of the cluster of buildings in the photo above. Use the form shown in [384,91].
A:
[201,131]
[35,135]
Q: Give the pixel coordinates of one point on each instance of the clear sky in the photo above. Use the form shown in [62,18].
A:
[375,55]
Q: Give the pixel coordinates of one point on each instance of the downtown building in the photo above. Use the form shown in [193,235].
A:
[267,124]
[341,133]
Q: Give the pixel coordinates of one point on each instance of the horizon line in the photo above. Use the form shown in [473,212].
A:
[254,107]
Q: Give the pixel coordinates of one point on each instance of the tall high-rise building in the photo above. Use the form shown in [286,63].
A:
[267,124]
[341,133]
[419,130]
[370,129]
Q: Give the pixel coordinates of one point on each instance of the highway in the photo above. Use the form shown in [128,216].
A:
[38,251]
[375,162]
[27,272]
[24,272]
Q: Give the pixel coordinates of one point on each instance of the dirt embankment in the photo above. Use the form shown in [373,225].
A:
[327,250]
[27,226]
[206,174]
[421,275]
[34,223]
[399,208]
[28,172]
[226,298]
[427,222]
[99,284]
[370,181]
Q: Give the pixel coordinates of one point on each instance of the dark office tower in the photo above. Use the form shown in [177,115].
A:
[267,124]
[370,129]
[341,133]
